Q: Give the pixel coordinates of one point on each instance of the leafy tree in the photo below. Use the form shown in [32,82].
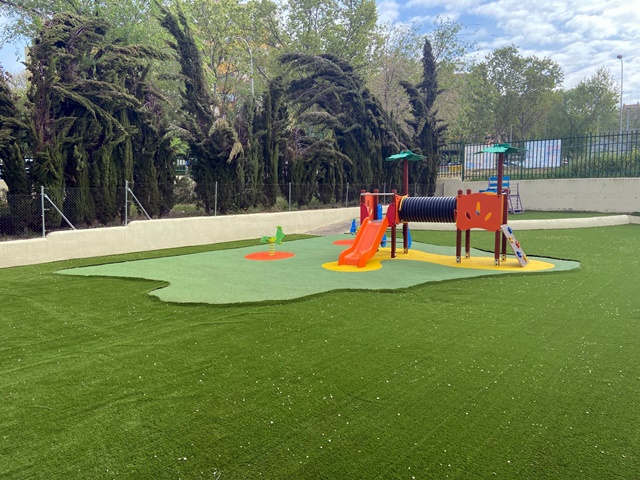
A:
[451,49]
[232,39]
[449,46]
[588,108]
[129,19]
[397,59]
[508,92]
[343,28]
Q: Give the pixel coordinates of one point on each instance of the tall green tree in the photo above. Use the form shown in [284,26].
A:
[213,143]
[426,129]
[588,108]
[87,101]
[328,95]
[129,19]
[13,131]
[273,132]
[508,94]
[249,169]
[343,28]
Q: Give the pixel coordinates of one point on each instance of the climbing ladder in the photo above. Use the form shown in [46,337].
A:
[515,204]
[515,245]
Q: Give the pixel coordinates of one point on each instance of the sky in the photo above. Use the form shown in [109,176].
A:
[580,36]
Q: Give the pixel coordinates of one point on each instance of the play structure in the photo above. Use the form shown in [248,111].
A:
[273,240]
[485,210]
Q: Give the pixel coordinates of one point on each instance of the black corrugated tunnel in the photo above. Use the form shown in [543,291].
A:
[428,209]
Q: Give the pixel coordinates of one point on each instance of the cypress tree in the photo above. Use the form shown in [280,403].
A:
[89,98]
[213,143]
[12,135]
[273,134]
[329,96]
[249,172]
[427,131]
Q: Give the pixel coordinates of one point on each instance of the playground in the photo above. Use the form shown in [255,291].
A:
[310,266]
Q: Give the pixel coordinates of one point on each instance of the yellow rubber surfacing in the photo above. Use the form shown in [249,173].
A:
[477,262]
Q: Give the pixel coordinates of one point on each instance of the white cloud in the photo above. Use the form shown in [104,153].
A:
[388,11]
[581,35]
[452,5]
[592,26]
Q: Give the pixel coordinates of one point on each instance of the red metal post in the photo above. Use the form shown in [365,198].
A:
[405,170]
[393,227]
[458,239]
[496,252]
[375,205]
[505,219]
[405,226]
[467,237]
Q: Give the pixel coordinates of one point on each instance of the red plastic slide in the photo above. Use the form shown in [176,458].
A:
[365,244]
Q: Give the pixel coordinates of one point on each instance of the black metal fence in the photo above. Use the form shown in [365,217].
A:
[593,156]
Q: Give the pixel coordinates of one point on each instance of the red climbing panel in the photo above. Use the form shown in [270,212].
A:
[479,210]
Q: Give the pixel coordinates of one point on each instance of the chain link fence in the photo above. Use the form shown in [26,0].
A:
[35,215]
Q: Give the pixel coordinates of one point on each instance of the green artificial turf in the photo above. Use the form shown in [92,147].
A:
[545,215]
[512,376]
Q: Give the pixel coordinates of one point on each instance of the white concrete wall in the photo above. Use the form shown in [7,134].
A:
[549,224]
[158,234]
[618,195]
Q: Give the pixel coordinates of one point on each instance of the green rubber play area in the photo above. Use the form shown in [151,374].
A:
[306,267]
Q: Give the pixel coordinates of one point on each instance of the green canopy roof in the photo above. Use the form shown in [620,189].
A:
[501,148]
[406,155]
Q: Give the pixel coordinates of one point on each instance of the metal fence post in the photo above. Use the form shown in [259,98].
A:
[346,198]
[44,230]
[138,202]
[289,196]
[215,201]
[44,197]
[126,203]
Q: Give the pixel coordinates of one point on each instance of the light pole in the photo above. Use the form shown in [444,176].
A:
[253,92]
[619,57]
